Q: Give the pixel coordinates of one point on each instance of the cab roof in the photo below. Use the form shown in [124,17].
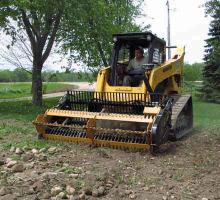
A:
[148,36]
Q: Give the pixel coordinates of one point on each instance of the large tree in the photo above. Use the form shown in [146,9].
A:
[211,72]
[40,19]
[85,27]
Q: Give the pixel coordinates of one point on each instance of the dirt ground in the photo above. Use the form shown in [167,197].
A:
[187,169]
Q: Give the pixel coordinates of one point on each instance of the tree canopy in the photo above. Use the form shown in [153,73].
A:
[90,39]
[40,20]
[211,72]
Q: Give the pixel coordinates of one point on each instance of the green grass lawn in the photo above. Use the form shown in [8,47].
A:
[206,115]
[24,110]
[16,90]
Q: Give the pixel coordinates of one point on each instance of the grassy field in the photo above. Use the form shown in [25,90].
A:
[24,110]
[206,115]
[16,90]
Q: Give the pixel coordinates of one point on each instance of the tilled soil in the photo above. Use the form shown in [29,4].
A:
[187,169]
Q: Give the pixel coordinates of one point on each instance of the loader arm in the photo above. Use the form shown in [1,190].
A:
[169,70]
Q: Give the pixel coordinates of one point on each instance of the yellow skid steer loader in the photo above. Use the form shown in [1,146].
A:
[142,115]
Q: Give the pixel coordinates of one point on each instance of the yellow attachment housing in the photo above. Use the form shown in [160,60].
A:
[91,132]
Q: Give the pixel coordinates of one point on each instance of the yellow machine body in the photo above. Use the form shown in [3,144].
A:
[140,117]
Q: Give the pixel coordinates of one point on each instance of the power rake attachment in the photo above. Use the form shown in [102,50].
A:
[118,120]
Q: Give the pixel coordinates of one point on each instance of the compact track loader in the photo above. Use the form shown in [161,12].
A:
[143,115]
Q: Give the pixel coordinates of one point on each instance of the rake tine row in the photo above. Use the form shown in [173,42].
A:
[101,137]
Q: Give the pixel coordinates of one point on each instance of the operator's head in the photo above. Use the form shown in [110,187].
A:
[139,53]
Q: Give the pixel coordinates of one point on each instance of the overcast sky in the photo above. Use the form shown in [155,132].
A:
[189,27]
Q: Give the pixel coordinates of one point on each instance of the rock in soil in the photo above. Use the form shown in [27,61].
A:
[121,194]
[18,151]
[74,175]
[18,168]
[30,191]
[8,160]
[95,193]
[70,190]
[28,156]
[61,195]
[56,190]
[146,188]
[127,192]
[101,191]
[65,165]
[71,197]
[132,196]
[109,184]
[46,195]
[82,196]
[29,165]
[42,157]
[38,186]
[49,175]
[42,150]
[164,198]
[34,151]
[52,150]
[11,163]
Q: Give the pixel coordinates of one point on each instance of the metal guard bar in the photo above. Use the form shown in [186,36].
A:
[114,102]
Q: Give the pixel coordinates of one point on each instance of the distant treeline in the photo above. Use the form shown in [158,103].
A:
[20,75]
[192,72]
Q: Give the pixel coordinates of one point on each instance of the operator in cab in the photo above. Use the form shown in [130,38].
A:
[135,70]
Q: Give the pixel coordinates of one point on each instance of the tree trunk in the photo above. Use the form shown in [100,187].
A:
[37,86]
